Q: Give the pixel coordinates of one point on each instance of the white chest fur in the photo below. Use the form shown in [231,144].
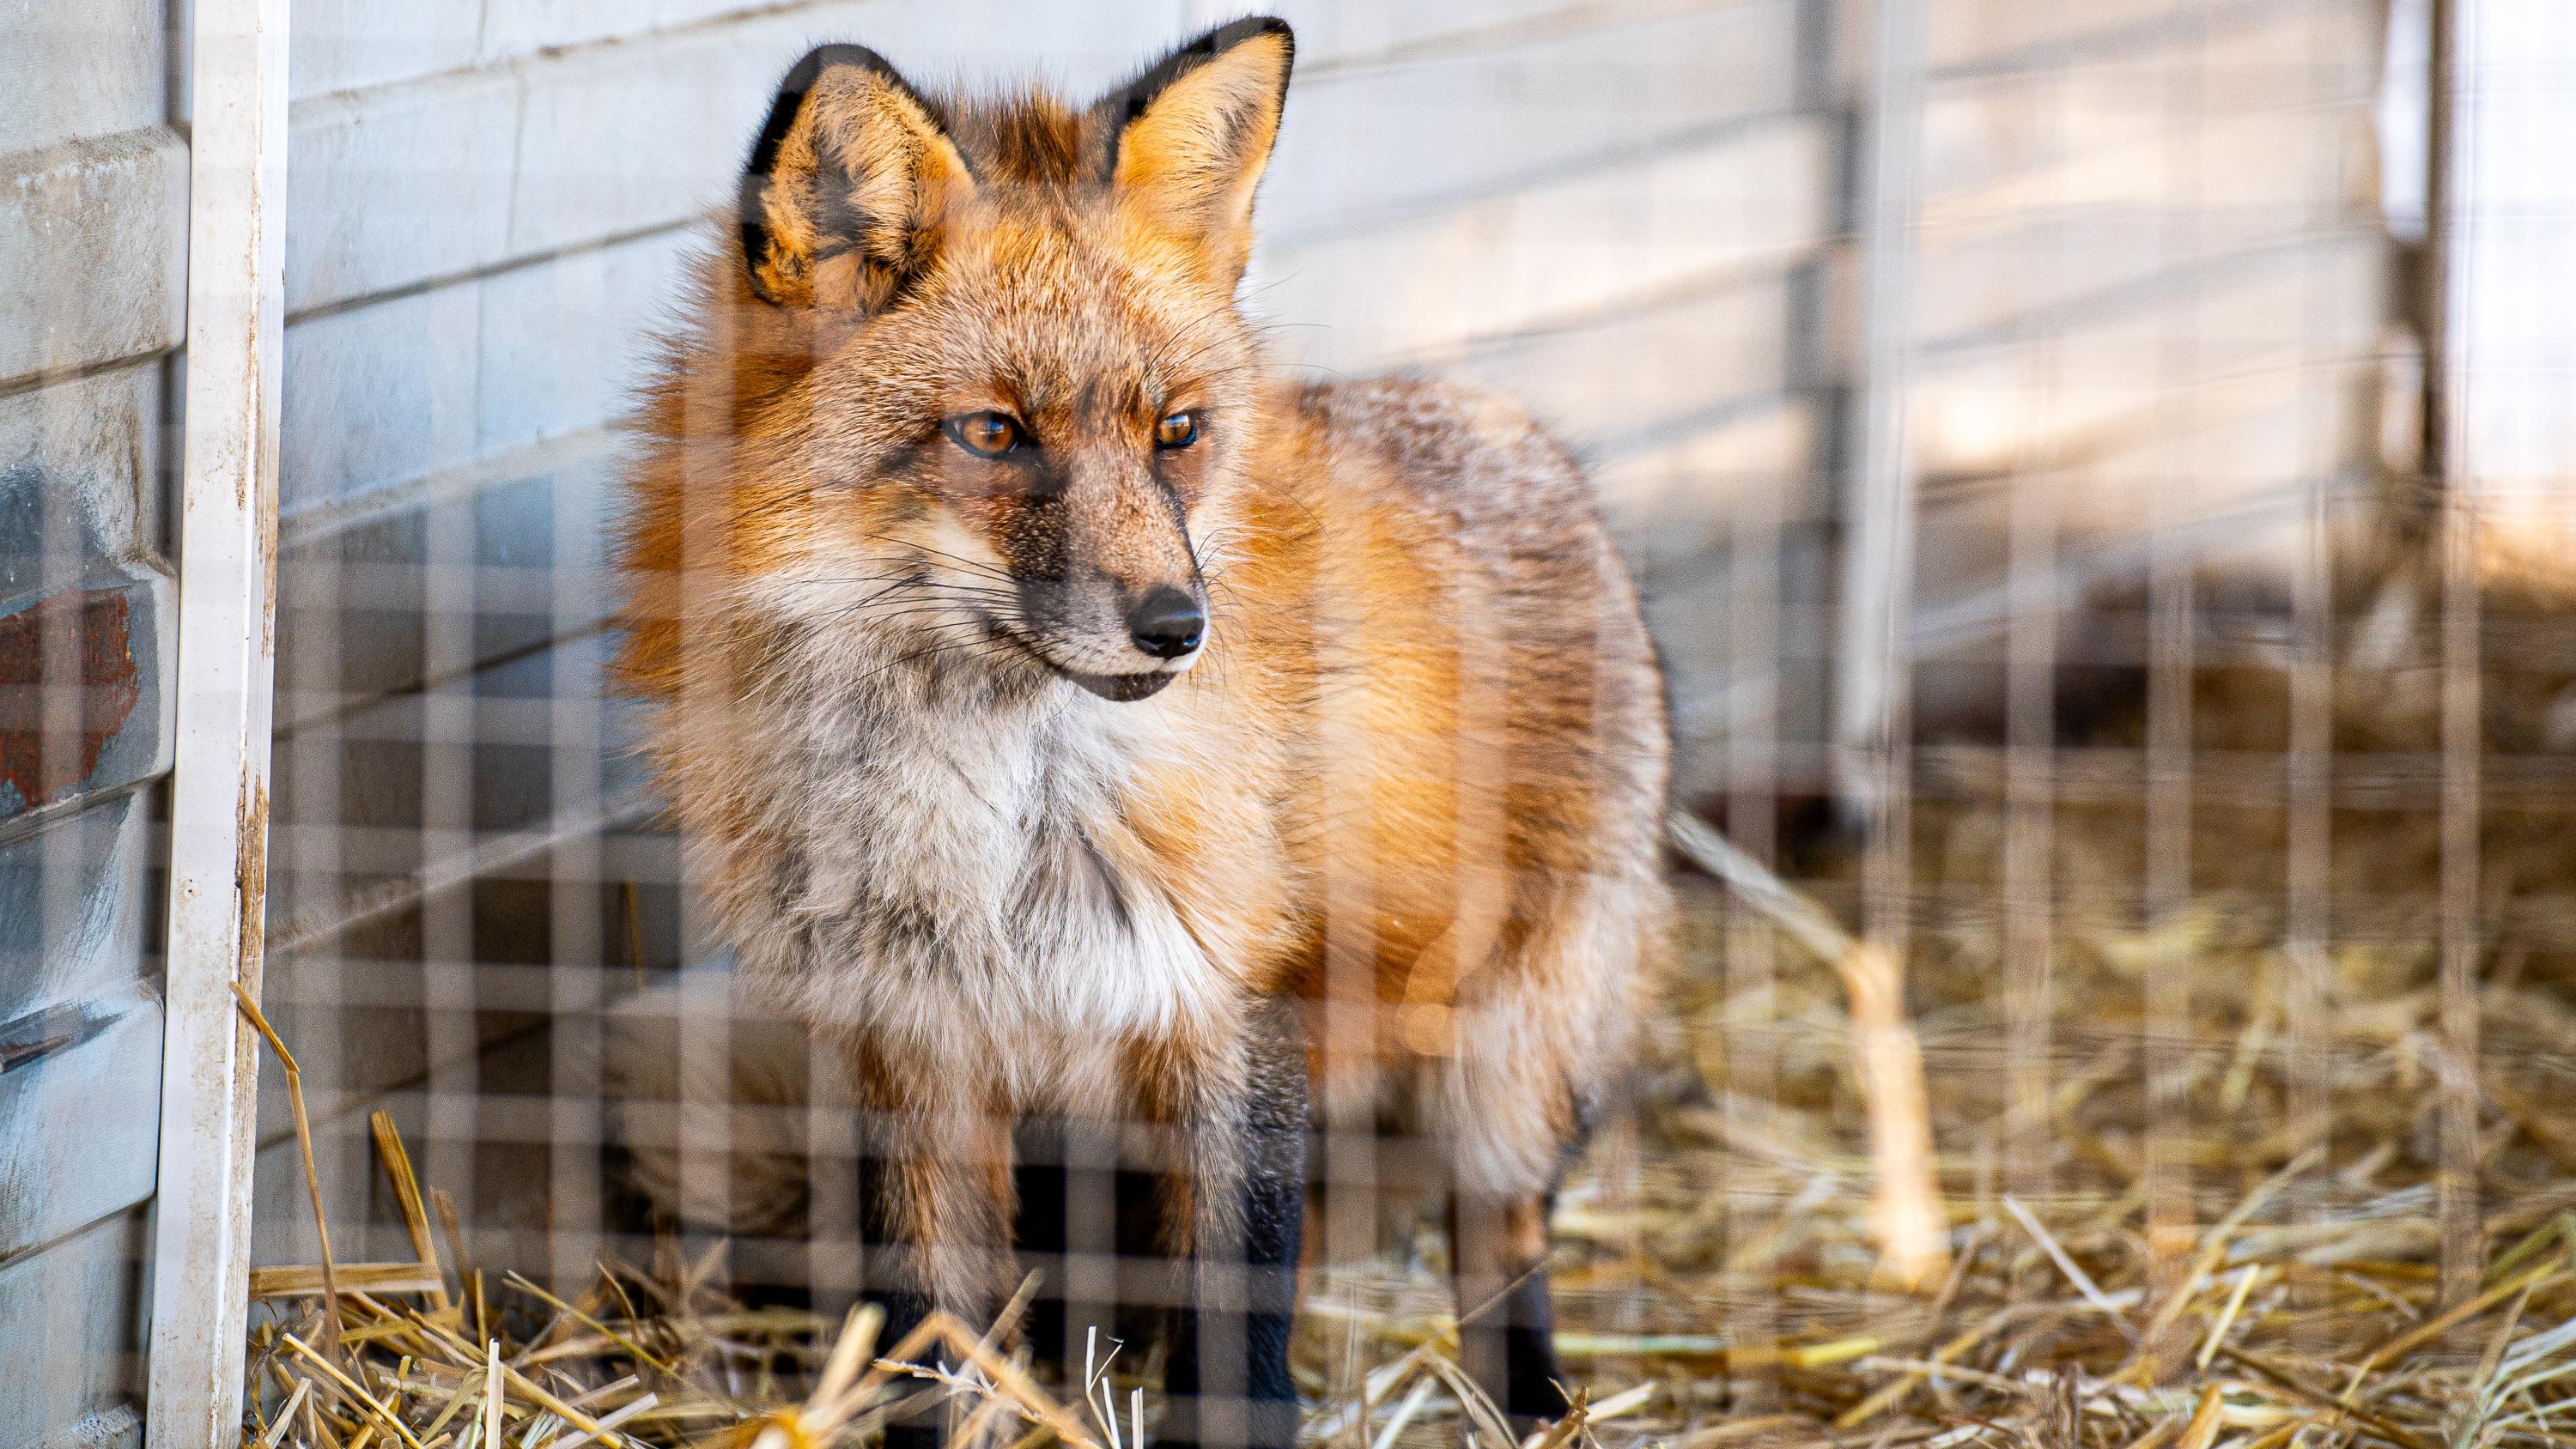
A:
[945,886]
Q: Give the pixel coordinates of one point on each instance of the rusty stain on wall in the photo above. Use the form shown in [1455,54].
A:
[250,877]
[36,666]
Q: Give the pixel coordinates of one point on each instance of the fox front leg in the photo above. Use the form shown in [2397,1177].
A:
[1237,1209]
[935,1203]
[1506,1339]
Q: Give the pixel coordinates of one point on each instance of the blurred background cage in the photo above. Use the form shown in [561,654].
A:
[2098,472]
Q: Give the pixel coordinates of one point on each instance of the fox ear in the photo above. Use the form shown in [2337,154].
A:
[848,186]
[1190,137]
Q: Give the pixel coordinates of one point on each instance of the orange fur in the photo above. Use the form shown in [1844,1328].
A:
[1411,779]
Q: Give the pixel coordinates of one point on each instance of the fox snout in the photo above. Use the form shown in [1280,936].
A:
[1167,623]
[1119,639]
[1109,590]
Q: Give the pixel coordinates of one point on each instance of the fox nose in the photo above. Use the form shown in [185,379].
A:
[1167,623]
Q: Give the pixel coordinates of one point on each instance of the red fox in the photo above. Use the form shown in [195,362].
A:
[1078,726]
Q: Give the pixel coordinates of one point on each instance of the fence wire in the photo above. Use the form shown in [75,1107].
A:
[2014,414]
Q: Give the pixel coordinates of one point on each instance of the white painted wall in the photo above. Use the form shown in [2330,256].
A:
[93,186]
[1614,210]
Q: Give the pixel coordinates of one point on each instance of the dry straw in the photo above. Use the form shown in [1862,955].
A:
[1721,1257]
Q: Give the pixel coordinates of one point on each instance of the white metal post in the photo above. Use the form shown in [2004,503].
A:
[219,788]
[1873,680]
[1871,699]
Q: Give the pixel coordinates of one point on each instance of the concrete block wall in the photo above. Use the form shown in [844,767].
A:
[2145,264]
[1616,211]
[93,196]
[2149,283]
[2152,291]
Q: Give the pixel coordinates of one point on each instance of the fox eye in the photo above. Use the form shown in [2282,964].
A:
[985,434]
[1177,431]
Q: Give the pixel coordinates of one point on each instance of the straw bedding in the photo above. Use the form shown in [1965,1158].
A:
[2251,1255]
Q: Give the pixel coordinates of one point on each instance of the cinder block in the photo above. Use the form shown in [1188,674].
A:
[379,394]
[2307,68]
[393,186]
[349,620]
[71,910]
[1334,33]
[1082,44]
[79,588]
[1977,410]
[1993,35]
[69,70]
[565,342]
[1984,281]
[77,1122]
[2241,175]
[108,642]
[354,600]
[97,439]
[1459,121]
[1637,372]
[351,45]
[73,1315]
[347,45]
[1080,47]
[616,140]
[521,27]
[96,233]
[1548,254]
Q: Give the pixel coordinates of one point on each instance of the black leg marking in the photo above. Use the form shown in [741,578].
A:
[1508,1346]
[1228,1383]
[885,1261]
[1530,1373]
[1040,1177]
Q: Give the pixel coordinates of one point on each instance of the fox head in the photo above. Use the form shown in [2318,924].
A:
[988,397]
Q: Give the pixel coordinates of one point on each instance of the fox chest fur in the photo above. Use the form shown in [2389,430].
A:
[992,878]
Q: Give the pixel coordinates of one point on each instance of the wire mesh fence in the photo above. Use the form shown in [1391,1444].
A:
[2119,710]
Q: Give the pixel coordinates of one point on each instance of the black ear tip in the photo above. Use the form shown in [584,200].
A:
[1270,25]
[800,76]
[1235,32]
[793,88]
[1131,100]
[809,68]
[799,82]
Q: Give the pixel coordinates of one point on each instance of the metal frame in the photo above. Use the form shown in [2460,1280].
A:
[226,676]
[2450,473]
[1871,698]
[1873,683]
